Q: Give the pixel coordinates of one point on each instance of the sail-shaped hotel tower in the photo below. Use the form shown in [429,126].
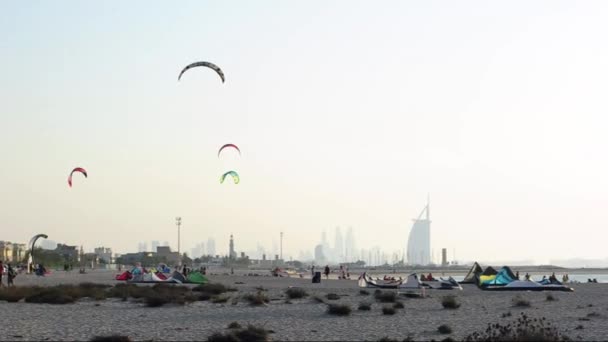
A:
[419,242]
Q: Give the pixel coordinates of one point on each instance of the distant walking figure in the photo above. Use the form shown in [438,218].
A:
[326,272]
[11,275]
[1,271]
[312,271]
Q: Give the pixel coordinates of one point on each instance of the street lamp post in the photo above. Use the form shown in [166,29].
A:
[178,222]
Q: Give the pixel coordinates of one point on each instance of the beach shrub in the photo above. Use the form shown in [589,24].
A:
[221,337]
[50,295]
[364,292]
[295,293]
[318,299]
[444,329]
[550,297]
[111,338]
[234,325]
[256,299]
[387,339]
[12,294]
[520,302]
[450,302]
[398,305]
[155,300]
[251,333]
[593,315]
[385,297]
[339,309]
[364,307]
[524,329]
[204,296]
[410,294]
[388,310]
[213,288]
[332,296]
[219,299]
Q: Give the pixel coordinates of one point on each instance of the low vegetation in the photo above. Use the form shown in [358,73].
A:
[398,305]
[220,299]
[151,296]
[250,333]
[385,297]
[339,309]
[257,299]
[111,338]
[318,299]
[234,325]
[388,310]
[450,302]
[364,292]
[524,329]
[332,296]
[551,298]
[364,307]
[444,329]
[213,288]
[520,302]
[295,293]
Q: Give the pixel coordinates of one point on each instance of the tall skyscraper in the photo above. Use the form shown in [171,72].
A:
[232,252]
[211,246]
[339,246]
[155,243]
[350,248]
[419,242]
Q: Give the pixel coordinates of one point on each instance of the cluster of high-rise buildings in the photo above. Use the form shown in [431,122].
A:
[344,250]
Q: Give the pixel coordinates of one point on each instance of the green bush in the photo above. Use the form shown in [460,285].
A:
[111,338]
[295,293]
[388,310]
[520,302]
[338,309]
[450,302]
[256,299]
[332,296]
[385,297]
[365,306]
[444,329]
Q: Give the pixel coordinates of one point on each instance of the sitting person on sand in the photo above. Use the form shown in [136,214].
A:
[422,277]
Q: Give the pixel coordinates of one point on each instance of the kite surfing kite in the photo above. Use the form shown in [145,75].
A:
[203,64]
[78,169]
[235,177]
[31,247]
[226,146]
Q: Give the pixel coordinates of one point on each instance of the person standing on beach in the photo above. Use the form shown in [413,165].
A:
[326,271]
[11,275]
[1,271]
[312,271]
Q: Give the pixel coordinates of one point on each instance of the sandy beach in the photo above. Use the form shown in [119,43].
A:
[581,314]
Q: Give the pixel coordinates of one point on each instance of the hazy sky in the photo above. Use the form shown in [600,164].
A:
[347,113]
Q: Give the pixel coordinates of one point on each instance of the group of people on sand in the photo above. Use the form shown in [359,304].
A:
[427,278]
[343,272]
[10,272]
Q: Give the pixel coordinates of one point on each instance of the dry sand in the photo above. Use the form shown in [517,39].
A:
[304,319]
